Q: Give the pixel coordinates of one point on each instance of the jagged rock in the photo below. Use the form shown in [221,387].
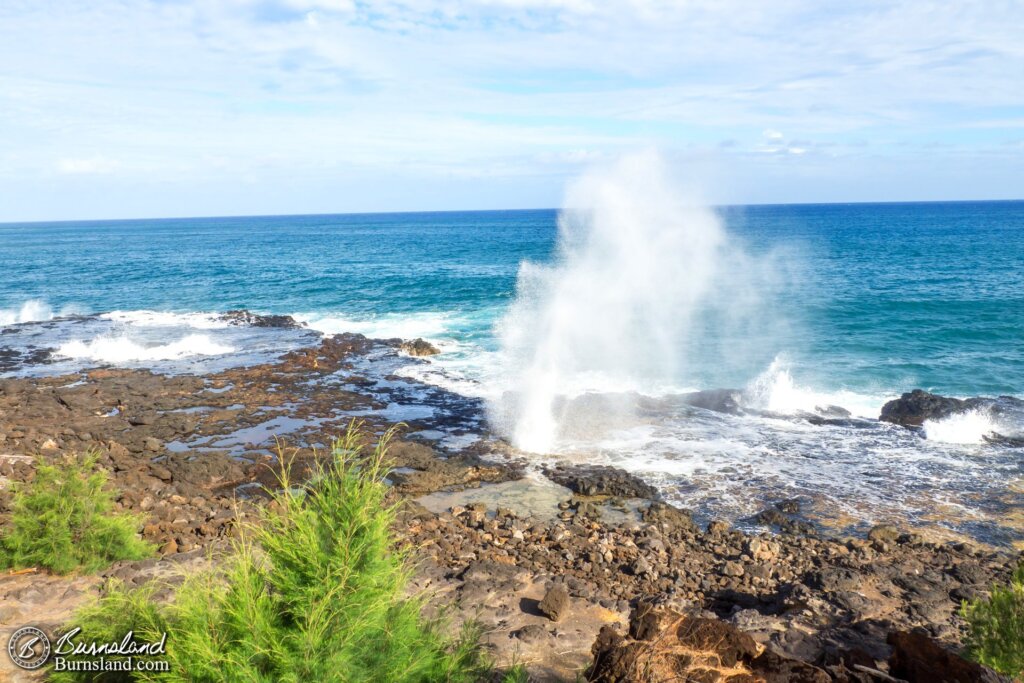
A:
[600,480]
[419,347]
[246,317]
[664,645]
[914,407]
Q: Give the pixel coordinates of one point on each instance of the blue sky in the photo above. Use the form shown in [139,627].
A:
[119,108]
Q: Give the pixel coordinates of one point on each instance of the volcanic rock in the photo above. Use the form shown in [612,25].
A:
[419,347]
[913,408]
[600,480]
[246,317]
[664,645]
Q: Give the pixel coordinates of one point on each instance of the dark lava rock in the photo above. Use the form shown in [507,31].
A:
[913,408]
[600,480]
[555,603]
[717,400]
[1001,440]
[245,317]
[419,347]
[919,659]
[665,645]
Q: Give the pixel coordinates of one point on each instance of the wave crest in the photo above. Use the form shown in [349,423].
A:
[121,349]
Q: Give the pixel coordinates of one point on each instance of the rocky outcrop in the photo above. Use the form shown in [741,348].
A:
[664,645]
[600,480]
[914,407]
[246,317]
[419,348]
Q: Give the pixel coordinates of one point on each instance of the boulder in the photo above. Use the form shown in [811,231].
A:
[913,408]
[419,348]
[555,603]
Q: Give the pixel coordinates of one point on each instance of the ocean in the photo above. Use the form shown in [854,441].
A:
[578,340]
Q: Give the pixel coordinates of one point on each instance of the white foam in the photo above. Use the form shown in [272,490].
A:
[146,318]
[776,390]
[963,428]
[432,326]
[33,310]
[122,349]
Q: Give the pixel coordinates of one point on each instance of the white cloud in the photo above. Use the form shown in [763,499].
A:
[92,165]
[189,94]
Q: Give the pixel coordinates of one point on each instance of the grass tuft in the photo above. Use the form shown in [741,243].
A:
[315,591]
[996,627]
[64,520]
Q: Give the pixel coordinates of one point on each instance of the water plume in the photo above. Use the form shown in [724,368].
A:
[646,289]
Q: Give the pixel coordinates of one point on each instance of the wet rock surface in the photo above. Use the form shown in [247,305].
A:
[419,347]
[600,480]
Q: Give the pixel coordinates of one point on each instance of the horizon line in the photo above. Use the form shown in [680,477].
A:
[522,210]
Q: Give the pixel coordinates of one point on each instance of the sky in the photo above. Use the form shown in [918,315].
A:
[135,108]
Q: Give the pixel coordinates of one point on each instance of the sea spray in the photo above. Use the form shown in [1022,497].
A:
[646,285]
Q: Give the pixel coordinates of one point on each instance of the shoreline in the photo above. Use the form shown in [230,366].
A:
[492,536]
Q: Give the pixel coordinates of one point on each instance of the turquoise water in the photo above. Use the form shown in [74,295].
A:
[862,302]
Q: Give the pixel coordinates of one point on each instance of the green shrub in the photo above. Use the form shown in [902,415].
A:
[315,591]
[996,627]
[64,520]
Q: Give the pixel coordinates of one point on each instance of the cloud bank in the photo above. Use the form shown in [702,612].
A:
[182,107]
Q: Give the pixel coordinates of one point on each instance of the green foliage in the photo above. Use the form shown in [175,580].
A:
[64,520]
[516,674]
[315,592]
[996,625]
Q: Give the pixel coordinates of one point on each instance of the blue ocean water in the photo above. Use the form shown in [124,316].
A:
[877,299]
[888,296]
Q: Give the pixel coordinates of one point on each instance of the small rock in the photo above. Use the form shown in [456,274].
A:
[555,603]
[732,569]
[884,533]
[419,347]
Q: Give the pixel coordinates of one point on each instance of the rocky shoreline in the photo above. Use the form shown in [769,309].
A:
[543,560]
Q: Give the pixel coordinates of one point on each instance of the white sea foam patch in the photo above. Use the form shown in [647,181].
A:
[122,349]
[963,428]
[145,318]
[428,325]
[777,391]
[33,310]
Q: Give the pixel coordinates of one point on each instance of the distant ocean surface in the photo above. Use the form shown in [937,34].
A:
[877,299]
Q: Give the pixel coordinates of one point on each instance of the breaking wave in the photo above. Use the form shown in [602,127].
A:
[114,350]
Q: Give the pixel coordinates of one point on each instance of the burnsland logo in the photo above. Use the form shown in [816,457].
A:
[30,649]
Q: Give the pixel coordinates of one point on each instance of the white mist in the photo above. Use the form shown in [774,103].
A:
[637,262]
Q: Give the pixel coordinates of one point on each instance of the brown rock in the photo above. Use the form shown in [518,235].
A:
[419,347]
[675,647]
[555,603]
[919,659]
